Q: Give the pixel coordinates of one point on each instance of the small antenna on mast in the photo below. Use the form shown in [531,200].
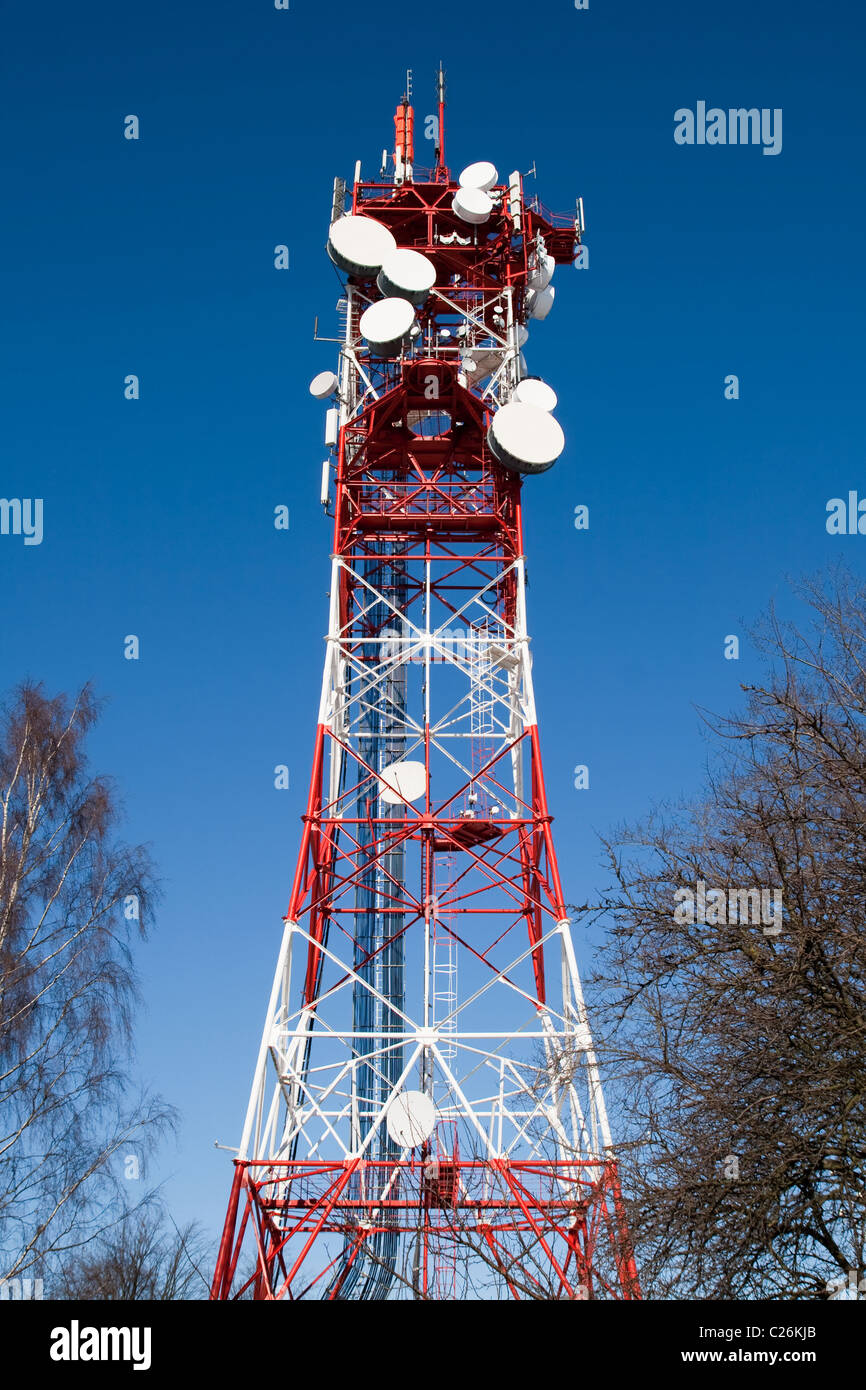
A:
[440,97]
[404,122]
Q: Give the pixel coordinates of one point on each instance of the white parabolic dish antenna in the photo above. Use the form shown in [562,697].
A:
[386,325]
[525,438]
[323,385]
[533,391]
[481,175]
[359,245]
[408,275]
[472,205]
[411,1119]
[540,302]
[541,273]
[401,782]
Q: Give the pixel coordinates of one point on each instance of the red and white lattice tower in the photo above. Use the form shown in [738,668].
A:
[426,1117]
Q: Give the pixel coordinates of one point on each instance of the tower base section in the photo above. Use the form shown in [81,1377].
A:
[429,1226]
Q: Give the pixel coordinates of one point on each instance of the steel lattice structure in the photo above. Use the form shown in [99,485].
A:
[427,946]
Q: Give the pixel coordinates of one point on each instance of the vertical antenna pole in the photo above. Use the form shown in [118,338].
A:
[440,94]
[404,123]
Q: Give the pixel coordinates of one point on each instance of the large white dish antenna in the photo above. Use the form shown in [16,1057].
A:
[404,781]
[407,275]
[386,325]
[524,438]
[472,205]
[359,245]
[533,391]
[482,175]
[541,273]
[522,335]
[323,385]
[540,302]
[411,1119]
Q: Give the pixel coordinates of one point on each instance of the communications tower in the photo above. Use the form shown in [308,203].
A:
[426,1117]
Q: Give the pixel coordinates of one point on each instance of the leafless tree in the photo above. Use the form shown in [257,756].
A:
[144,1257]
[736,1051]
[72,898]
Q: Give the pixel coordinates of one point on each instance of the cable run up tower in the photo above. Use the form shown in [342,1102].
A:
[426,1118]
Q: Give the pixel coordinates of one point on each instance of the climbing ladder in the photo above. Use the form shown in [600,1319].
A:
[444,956]
[481,723]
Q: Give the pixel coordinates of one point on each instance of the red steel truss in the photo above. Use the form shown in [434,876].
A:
[508,1218]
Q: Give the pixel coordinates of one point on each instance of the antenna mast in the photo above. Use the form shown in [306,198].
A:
[404,122]
[426,1117]
[441,171]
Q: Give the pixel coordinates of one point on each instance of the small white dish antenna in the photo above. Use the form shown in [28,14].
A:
[481,361]
[386,325]
[407,275]
[472,205]
[524,438]
[541,273]
[323,385]
[482,175]
[533,391]
[540,302]
[403,781]
[411,1119]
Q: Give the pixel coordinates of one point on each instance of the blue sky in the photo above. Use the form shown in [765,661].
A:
[155,257]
